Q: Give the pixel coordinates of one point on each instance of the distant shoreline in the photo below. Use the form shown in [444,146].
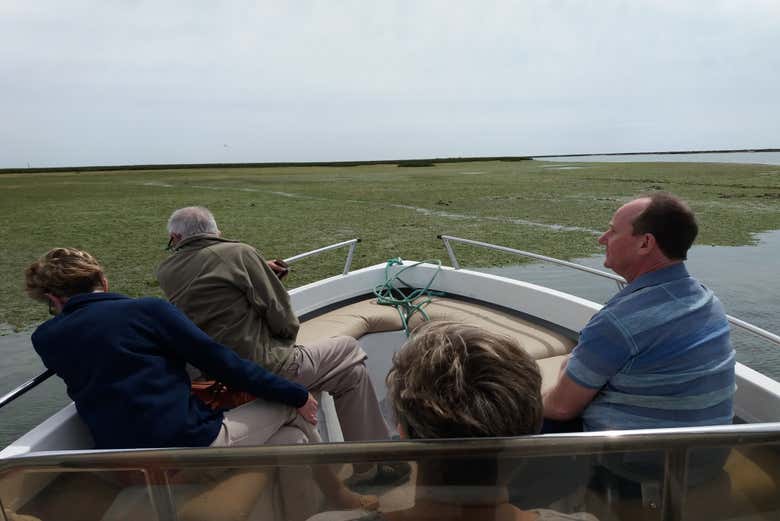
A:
[400,162]
[667,152]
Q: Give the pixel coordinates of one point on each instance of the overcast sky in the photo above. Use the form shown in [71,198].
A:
[102,82]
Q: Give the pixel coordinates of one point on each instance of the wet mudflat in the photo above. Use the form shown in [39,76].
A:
[120,216]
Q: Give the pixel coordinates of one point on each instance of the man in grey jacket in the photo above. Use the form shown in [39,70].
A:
[233,294]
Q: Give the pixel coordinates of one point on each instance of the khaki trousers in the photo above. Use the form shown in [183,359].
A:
[260,422]
[338,366]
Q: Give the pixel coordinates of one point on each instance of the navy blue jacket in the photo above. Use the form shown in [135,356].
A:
[123,361]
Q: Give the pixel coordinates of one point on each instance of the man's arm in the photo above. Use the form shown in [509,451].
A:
[267,294]
[602,350]
[567,399]
[181,336]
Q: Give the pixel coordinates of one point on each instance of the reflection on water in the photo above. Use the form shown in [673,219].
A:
[744,278]
[766,158]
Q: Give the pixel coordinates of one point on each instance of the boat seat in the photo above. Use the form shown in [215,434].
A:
[746,488]
[550,367]
[232,496]
[229,496]
[367,316]
[547,347]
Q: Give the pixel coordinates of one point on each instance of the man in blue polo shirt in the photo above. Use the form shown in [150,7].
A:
[658,353]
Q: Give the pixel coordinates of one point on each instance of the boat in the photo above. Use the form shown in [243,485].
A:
[52,472]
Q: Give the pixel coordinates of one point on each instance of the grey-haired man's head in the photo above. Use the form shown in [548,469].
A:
[189,221]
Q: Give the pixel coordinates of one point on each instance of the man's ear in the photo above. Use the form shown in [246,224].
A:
[104,282]
[648,245]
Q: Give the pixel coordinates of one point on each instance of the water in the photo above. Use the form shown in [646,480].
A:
[766,158]
[20,363]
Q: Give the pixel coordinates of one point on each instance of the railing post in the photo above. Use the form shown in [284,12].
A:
[162,498]
[350,253]
[675,482]
[2,511]
[450,252]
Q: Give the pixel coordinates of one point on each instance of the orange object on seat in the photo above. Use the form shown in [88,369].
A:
[218,396]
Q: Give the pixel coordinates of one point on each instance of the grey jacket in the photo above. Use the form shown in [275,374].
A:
[229,291]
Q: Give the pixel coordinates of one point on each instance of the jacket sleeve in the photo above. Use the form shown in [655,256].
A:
[267,294]
[182,337]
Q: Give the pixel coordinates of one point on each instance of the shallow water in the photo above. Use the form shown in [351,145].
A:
[744,278]
[766,158]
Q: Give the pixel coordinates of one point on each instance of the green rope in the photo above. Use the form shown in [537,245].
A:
[389,294]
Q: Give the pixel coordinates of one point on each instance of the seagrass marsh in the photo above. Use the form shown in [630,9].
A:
[557,209]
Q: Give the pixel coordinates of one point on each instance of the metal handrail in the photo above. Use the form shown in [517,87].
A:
[621,282]
[352,243]
[26,386]
[156,462]
[393,450]
[36,380]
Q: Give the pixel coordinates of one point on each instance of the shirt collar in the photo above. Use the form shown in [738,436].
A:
[193,240]
[82,299]
[654,278]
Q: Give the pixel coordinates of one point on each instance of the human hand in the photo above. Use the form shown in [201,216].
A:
[279,267]
[308,410]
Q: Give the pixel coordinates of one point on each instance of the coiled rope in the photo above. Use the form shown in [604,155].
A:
[407,303]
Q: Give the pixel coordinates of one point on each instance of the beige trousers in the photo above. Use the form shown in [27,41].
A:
[337,365]
[260,422]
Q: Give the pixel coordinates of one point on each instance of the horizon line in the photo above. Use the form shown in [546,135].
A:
[399,162]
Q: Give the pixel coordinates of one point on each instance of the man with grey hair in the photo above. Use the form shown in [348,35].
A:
[233,294]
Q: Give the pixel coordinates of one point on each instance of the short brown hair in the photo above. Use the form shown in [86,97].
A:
[453,380]
[672,223]
[63,272]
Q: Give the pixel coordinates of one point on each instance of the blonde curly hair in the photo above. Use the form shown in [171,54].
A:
[63,272]
[453,380]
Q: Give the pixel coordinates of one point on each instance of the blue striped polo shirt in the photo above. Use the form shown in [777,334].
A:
[660,353]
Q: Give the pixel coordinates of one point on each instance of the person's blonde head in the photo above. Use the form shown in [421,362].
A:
[452,380]
[63,272]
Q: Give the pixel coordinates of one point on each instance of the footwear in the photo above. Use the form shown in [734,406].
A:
[380,477]
[346,499]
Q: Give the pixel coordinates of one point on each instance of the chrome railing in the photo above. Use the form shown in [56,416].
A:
[26,386]
[621,282]
[352,243]
[676,444]
[35,381]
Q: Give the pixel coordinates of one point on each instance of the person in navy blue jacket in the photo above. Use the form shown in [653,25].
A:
[123,361]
